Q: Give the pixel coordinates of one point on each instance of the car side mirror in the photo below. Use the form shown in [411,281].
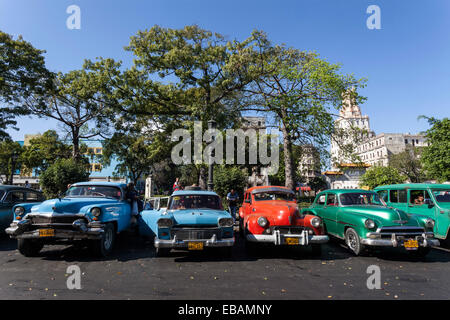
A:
[429,202]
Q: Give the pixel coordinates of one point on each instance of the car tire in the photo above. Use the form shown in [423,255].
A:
[353,241]
[29,247]
[241,228]
[250,247]
[316,249]
[104,246]
[162,252]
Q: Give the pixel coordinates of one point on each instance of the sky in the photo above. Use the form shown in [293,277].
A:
[406,62]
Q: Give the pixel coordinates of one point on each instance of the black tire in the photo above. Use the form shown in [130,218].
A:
[353,241]
[250,247]
[29,247]
[422,252]
[162,252]
[104,246]
[316,249]
[241,228]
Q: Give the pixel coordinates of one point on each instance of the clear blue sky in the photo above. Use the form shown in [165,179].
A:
[407,62]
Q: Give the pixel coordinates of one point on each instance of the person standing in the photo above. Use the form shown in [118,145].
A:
[132,196]
[232,198]
[176,185]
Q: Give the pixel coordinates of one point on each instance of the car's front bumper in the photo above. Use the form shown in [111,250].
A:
[277,238]
[424,240]
[21,230]
[184,244]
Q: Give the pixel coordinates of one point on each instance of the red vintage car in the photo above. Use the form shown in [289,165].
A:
[270,214]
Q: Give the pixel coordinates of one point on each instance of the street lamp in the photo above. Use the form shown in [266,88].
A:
[211,125]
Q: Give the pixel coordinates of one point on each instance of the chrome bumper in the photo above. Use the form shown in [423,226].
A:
[19,230]
[280,239]
[424,240]
[182,244]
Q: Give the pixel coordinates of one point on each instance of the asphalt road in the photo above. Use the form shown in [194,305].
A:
[133,272]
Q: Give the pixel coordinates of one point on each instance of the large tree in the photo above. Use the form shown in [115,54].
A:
[408,164]
[378,176]
[22,74]
[300,91]
[74,103]
[10,153]
[436,156]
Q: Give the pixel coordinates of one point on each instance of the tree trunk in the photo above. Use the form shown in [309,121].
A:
[202,178]
[288,161]
[76,144]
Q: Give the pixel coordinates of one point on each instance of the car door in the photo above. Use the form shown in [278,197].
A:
[424,207]
[330,212]
[246,204]
[12,198]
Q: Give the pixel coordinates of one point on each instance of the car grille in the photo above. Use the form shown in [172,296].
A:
[56,222]
[288,229]
[401,231]
[195,233]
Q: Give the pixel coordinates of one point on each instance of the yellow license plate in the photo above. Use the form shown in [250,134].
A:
[411,244]
[46,232]
[195,246]
[291,241]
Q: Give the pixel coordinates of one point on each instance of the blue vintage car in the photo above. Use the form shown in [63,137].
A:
[12,195]
[93,211]
[194,219]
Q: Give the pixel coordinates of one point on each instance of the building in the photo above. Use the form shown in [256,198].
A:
[309,163]
[347,178]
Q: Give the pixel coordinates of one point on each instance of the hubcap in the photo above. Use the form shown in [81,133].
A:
[351,240]
[108,239]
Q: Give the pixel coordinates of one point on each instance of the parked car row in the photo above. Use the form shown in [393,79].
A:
[412,217]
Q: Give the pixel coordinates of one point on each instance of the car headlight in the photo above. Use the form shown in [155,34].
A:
[96,212]
[19,211]
[316,222]
[226,222]
[165,223]
[262,221]
[429,223]
[370,224]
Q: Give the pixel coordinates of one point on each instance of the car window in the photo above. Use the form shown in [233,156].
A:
[269,196]
[320,200]
[397,196]
[33,197]
[383,194]
[331,199]
[15,197]
[360,198]
[442,195]
[195,202]
[87,191]
[419,197]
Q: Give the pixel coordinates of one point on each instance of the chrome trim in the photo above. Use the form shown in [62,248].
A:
[175,243]
[279,239]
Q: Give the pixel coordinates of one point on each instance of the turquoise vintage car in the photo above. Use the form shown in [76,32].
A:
[194,219]
[12,195]
[363,220]
[93,211]
[424,200]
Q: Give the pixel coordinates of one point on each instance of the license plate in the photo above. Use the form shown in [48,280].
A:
[411,244]
[291,241]
[195,246]
[46,232]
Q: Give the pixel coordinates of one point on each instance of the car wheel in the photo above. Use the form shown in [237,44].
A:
[250,247]
[104,246]
[29,247]
[353,241]
[162,252]
[316,249]
[241,228]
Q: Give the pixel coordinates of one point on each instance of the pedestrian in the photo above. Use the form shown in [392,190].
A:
[232,198]
[176,185]
[27,184]
[132,197]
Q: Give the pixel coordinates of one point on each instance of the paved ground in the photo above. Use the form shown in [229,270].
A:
[133,272]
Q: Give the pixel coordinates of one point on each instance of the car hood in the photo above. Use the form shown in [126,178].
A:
[190,217]
[69,205]
[387,216]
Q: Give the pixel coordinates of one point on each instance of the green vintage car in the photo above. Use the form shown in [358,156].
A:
[364,220]
[425,200]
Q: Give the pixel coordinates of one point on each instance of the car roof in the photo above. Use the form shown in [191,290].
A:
[277,188]
[100,183]
[414,186]
[336,191]
[193,192]
[9,187]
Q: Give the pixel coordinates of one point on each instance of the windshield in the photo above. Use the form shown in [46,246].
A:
[202,201]
[360,198]
[268,196]
[94,191]
[442,196]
